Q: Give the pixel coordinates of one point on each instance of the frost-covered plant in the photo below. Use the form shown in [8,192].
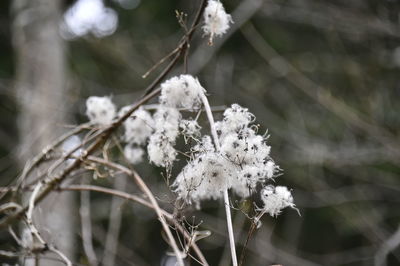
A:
[216,20]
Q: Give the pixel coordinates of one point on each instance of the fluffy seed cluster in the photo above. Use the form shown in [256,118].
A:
[161,145]
[181,92]
[138,127]
[133,154]
[204,177]
[137,130]
[100,110]
[216,20]
[241,164]
[185,92]
[190,128]
[275,199]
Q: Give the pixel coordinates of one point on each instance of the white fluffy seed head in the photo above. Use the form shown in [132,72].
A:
[160,150]
[190,128]
[204,145]
[166,122]
[242,163]
[237,118]
[134,155]
[216,20]
[138,127]
[100,110]
[202,178]
[181,92]
[275,199]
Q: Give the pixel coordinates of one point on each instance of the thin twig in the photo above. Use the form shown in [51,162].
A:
[388,246]
[183,45]
[142,185]
[35,231]
[62,256]
[54,181]
[150,92]
[169,217]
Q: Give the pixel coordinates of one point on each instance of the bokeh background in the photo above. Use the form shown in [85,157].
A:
[323,77]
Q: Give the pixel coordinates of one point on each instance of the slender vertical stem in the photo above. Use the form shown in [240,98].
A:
[226,196]
[230,227]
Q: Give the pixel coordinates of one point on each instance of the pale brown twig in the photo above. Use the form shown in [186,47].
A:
[169,217]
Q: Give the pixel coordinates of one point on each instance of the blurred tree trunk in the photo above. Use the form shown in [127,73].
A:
[41,93]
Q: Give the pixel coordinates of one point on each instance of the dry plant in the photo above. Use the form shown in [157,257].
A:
[233,158]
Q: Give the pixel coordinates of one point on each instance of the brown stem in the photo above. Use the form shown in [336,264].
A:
[169,217]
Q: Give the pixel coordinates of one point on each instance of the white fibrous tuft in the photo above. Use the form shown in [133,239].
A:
[236,118]
[242,162]
[190,128]
[100,110]
[138,127]
[166,122]
[204,145]
[161,150]
[182,92]
[134,155]
[245,150]
[205,177]
[275,199]
[216,20]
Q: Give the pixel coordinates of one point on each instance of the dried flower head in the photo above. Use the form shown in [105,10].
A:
[275,199]
[100,110]
[160,150]
[190,128]
[138,127]
[241,164]
[134,155]
[216,20]
[181,92]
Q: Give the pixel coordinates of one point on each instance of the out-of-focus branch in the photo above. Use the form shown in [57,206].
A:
[86,227]
[111,244]
[169,217]
[326,16]
[30,165]
[54,181]
[142,186]
[388,246]
[317,92]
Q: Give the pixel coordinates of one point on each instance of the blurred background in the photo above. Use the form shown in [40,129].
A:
[323,77]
